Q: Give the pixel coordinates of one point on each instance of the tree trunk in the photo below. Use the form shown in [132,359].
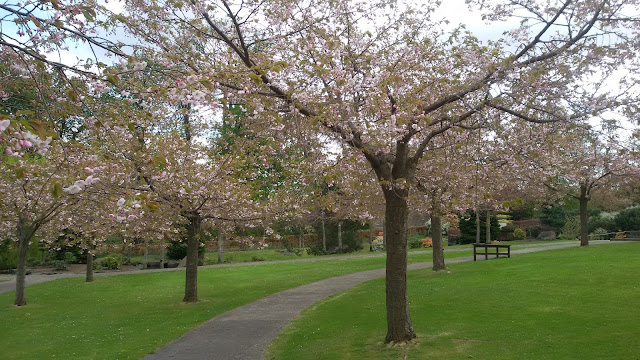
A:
[23,232]
[371,224]
[193,244]
[384,234]
[300,240]
[220,246]
[488,223]
[340,236]
[146,253]
[89,276]
[162,251]
[584,216]
[399,327]
[436,240]
[477,226]
[324,238]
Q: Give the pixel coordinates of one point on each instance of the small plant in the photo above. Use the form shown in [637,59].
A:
[33,262]
[427,242]
[519,234]
[59,265]
[378,244]
[316,250]
[109,262]
[70,258]
[257,258]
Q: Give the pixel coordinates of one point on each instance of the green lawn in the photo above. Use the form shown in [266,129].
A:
[577,303]
[128,316]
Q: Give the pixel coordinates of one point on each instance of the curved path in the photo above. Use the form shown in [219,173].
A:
[244,333]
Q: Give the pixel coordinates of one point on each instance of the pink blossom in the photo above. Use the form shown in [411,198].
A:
[4,124]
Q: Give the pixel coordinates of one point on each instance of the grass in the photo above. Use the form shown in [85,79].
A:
[577,303]
[129,316]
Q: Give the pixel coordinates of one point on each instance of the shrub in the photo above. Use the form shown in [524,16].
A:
[59,265]
[177,250]
[377,244]
[628,219]
[257,258]
[415,243]
[33,262]
[110,262]
[519,234]
[316,250]
[8,255]
[70,258]
[427,242]
[620,235]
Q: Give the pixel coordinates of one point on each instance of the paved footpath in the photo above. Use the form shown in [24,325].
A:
[244,333]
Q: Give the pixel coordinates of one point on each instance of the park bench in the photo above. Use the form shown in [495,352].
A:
[486,252]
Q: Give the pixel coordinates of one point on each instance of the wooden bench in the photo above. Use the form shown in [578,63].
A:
[486,252]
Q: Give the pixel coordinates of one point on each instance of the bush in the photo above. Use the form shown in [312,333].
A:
[177,250]
[8,255]
[59,265]
[316,250]
[33,262]
[519,234]
[257,258]
[628,219]
[415,243]
[377,244]
[109,262]
[427,242]
[70,258]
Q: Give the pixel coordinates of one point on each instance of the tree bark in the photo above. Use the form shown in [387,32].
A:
[340,236]
[488,223]
[436,240]
[384,234]
[324,238]
[584,216]
[23,232]
[399,326]
[477,226]
[146,253]
[162,251]
[193,244]
[371,223]
[220,246]
[89,275]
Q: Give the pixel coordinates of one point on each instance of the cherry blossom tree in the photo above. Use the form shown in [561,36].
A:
[37,190]
[580,160]
[387,79]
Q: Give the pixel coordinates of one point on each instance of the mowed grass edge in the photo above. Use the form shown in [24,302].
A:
[576,303]
[129,316]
